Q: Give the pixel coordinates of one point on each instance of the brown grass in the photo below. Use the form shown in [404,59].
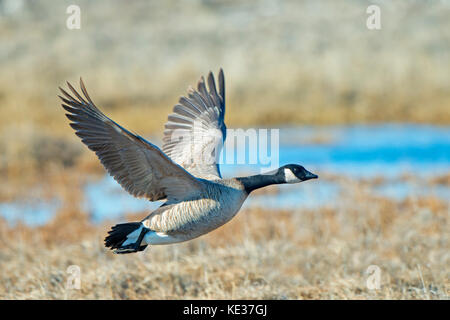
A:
[286,254]
[293,63]
[298,62]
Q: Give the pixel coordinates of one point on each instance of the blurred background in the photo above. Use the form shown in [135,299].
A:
[367,110]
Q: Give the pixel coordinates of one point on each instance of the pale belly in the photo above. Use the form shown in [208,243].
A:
[189,220]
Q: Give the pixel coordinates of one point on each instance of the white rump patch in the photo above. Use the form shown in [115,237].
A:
[133,236]
[153,238]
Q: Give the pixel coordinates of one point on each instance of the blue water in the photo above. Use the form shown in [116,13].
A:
[366,150]
[33,213]
[360,151]
[106,199]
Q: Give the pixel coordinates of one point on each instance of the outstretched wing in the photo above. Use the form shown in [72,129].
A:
[138,166]
[195,132]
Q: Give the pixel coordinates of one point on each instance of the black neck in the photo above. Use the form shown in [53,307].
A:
[260,180]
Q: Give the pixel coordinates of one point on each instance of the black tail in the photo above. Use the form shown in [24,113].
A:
[118,235]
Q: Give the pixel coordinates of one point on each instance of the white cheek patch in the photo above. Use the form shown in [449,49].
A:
[290,177]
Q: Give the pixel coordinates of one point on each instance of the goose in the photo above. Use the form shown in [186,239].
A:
[185,172]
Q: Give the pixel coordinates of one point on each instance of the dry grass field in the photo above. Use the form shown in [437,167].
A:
[286,63]
[261,254]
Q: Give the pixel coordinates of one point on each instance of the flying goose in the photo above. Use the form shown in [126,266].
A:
[185,172]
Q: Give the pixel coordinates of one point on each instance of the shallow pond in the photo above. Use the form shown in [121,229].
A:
[361,151]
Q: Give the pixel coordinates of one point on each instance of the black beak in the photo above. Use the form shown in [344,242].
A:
[309,176]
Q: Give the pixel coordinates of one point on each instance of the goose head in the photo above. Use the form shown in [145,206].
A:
[294,173]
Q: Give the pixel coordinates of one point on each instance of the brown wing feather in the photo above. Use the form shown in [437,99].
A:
[195,132]
[137,165]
